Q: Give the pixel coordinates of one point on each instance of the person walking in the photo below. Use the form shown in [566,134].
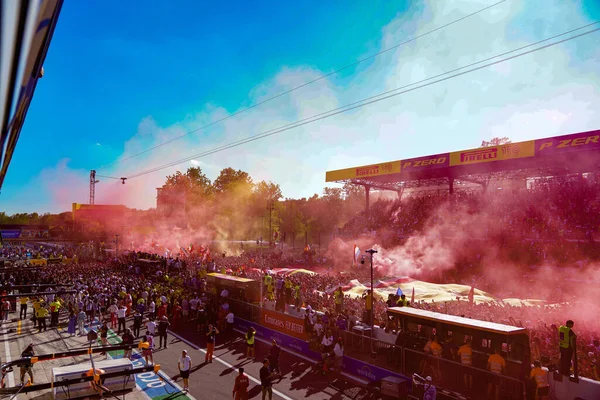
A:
[185,366]
[71,329]
[211,336]
[240,388]
[27,368]
[250,335]
[146,346]
[104,336]
[540,377]
[81,321]
[23,312]
[266,380]
[137,324]
[127,338]
[274,353]
[41,315]
[121,312]
[163,325]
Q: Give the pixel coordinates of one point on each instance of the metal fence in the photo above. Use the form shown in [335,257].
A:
[406,360]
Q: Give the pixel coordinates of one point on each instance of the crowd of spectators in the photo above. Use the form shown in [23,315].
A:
[557,219]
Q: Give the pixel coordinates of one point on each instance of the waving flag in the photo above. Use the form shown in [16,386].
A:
[399,292]
[356,254]
[471,294]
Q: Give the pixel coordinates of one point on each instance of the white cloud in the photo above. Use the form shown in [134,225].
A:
[555,91]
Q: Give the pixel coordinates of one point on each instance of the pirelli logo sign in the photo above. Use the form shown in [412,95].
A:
[491,154]
[366,171]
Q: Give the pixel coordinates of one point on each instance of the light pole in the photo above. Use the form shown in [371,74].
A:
[116,246]
[270,207]
[371,252]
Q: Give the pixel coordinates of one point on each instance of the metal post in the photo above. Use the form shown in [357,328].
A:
[372,322]
[270,205]
[116,246]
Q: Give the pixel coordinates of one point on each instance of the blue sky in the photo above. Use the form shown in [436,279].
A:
[119,79]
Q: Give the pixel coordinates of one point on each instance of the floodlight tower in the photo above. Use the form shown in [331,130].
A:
[93,182]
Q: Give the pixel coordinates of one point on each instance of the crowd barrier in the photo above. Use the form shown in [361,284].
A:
[373,360]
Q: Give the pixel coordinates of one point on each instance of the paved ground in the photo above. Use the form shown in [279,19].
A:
[207,381]
[19,334]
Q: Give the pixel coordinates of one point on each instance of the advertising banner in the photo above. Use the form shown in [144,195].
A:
[38,262]
[366,171]
[493,153]
[283,323]
[428,162]
[350,365]
[568,143]
[368,371]
[11,233]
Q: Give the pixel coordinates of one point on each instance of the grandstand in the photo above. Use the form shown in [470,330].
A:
[559,157]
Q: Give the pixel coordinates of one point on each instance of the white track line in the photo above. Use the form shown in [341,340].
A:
[310,360]
[11,376]
[225,363]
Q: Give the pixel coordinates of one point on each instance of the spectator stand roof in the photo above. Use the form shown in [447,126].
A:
[548,157]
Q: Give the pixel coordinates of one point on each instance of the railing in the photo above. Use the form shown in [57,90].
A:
[407,360]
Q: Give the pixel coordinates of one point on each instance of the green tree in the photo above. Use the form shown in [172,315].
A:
[230,180]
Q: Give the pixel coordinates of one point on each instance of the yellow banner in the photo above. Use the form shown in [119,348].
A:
[493,153]
[367,171]
[38,262]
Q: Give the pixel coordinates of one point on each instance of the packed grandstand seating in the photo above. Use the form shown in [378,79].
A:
[559,219]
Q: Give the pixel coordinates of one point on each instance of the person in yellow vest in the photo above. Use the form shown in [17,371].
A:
[36,305]
[41,315]
[540,377]
[250,336]
[54,310]
[288,290]
[465,352]
[267,280]
[98,383]
[270,292]
[339,298]
[566,343]
[496,365]
[23,312]
[402,302]
[297,297]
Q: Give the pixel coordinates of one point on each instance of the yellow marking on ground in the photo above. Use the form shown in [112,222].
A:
[19,327]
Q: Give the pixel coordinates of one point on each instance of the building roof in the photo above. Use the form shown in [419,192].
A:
[458,321]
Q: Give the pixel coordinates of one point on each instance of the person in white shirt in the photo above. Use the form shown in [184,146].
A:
[327,342]
[230,319]
[318,328]
[185,365]
[151,327]
[152,310]
[112,309]
[121,318]
[338,351]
